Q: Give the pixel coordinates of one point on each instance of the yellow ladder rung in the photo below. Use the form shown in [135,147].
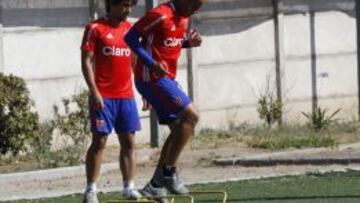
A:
[173,197]
[130,201]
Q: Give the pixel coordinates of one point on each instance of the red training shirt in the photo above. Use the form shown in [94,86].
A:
[163,35]
[112,57]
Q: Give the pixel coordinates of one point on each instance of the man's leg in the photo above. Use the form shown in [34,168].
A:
[166,147]
[93,163]
[172,105]
[94,157]
[127,122]
[127,160]
[181,131]
[180,134]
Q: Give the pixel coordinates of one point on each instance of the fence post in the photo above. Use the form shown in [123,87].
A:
[279,47]
[93,9]
[313,61]
[192,71]
[358,51]
[150,4]
[2,58]
[154,126]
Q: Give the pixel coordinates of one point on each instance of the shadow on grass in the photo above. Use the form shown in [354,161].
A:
[286,198]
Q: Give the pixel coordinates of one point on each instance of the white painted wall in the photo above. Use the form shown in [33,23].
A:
[233,67]
[335,36]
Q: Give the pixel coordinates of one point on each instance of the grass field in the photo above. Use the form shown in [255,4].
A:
[341,187]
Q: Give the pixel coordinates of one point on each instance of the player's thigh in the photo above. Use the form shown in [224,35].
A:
[166,97]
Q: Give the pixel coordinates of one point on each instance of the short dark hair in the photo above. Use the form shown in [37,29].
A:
[108,3]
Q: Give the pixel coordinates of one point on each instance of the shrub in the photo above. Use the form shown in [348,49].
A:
[18,124]
[74,126]
[41,146]
[269,109]
[319,119]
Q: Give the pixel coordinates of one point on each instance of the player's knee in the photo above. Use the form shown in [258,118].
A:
[195,117]
[127,143]
[98,146]
[128,147]
[192,118]
[127,151]
[99,142]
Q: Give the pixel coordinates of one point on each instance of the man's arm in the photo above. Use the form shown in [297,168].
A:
[87,64]
[133,58]
[132,38]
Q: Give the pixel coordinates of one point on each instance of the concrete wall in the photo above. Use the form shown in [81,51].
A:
[52,13]
[335,49]
[234,64]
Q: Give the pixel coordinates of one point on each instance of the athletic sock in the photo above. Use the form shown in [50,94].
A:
[169,170]
[129,185]
[91,187]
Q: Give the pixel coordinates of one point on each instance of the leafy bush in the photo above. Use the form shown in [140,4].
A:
[41,146]
[19,126]
[70,123]
[319,119]
[269,109]
[73,125]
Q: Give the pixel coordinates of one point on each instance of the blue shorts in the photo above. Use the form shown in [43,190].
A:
[121,114]
[165,96]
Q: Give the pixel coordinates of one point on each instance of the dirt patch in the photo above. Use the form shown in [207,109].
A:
[195,167]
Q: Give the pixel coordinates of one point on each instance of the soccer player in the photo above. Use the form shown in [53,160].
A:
[106,66]
[157,39]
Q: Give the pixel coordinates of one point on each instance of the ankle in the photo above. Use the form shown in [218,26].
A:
[169,170]
[155,183]
[129,185]
[91,187]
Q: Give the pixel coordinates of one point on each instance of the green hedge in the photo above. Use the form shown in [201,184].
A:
[19,125]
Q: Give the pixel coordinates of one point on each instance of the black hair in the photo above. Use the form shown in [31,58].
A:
[108,3]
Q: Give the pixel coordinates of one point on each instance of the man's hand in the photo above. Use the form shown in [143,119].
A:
[195,38]
[160,69]
[97,101]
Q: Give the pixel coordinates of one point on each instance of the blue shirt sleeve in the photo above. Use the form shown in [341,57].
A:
[132,38]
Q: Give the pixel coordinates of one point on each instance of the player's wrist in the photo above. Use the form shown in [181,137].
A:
[155,66]
[158,68]
[94,93]
[187,44]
